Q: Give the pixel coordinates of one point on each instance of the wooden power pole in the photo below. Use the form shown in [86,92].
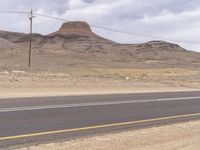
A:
[30,37]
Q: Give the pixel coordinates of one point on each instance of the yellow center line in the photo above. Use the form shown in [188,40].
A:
[96,127]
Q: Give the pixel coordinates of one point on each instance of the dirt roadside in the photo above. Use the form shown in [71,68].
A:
[182,136]
[84,81]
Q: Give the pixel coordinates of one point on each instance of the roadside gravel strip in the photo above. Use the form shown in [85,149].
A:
[182,136]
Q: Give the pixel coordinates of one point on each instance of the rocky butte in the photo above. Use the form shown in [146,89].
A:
[77,28]
[76,44]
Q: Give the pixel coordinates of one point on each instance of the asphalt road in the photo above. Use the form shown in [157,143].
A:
[25,121]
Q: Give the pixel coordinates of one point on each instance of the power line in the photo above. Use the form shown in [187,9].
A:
[144,36]
[15,12]
[57,18]
[107,29]
[123,32]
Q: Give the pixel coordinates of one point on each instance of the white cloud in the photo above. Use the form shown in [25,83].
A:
[177,20]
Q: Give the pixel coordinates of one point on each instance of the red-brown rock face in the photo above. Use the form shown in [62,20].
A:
[75,28]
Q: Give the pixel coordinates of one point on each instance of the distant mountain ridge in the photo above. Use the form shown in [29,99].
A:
[76,40]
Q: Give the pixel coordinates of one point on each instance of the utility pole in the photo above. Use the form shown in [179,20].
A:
[30,37]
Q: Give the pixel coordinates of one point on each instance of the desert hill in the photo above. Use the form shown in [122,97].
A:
[74,44]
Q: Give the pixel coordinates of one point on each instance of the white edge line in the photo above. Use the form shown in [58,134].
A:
[16,109]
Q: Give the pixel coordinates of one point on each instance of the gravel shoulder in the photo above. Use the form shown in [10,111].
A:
[182,136]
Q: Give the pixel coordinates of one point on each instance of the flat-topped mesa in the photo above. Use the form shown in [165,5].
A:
[75,28]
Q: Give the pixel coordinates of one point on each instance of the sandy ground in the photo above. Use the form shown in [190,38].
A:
[84,81]
[182,136]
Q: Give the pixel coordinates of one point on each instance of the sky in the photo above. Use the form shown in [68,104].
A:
[176,21]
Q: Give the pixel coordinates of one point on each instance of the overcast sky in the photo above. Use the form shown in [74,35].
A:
[178,20]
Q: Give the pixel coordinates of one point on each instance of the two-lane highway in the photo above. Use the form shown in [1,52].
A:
[37,120]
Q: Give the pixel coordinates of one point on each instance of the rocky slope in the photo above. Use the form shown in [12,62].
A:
[75,43]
